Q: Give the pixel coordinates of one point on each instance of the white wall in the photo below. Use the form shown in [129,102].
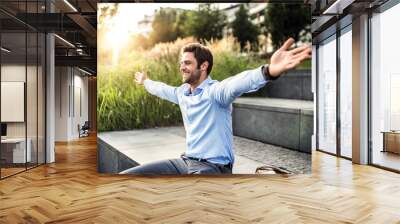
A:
[62,81]
[80,110]
[13,73]
[71,87]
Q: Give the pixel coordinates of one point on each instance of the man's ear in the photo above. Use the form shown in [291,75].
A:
[204,66]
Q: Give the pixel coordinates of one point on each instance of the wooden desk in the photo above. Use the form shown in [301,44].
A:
[391,141]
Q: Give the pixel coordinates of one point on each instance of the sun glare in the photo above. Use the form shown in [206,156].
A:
[118,33]
[118,28]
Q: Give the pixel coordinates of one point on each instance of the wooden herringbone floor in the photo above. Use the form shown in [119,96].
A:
[71,191]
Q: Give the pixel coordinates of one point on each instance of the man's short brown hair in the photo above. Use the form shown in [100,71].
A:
[201,53]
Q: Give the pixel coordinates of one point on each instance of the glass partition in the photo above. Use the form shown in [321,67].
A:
[31,99]
[327,95]
[22,88]
[14,153]
[346,92]
[385,89]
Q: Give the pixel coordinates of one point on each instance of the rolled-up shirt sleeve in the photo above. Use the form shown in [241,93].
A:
[226,91]
[162,90]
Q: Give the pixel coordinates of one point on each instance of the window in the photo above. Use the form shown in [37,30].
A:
[346,75]
[385,87]
[327,95]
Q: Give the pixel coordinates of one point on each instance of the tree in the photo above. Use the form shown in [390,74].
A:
[206,23]
[243,29]
[164,26]
[181,20]
[286,20]
[107,11]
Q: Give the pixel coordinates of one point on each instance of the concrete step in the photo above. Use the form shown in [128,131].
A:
[283,122]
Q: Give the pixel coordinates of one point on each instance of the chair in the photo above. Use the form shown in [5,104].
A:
[84,130]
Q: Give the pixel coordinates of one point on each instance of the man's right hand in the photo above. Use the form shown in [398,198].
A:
[284,59]
[140,77]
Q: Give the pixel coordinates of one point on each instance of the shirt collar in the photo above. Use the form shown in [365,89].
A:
[198,88]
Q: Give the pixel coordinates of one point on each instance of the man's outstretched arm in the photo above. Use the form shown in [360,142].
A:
[159,89]
[282,60]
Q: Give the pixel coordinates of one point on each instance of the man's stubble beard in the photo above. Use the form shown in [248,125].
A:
[193,78]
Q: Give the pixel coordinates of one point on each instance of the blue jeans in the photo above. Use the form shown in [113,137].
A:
[178,166]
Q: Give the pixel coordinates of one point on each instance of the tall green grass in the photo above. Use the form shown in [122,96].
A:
[123,105]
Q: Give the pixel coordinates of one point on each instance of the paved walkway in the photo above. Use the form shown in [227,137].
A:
[149,145]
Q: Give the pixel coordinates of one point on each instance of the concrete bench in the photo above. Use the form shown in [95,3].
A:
[120,150]
[283,122]
[295,84]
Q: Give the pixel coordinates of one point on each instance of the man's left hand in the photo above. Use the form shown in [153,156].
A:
[283,59]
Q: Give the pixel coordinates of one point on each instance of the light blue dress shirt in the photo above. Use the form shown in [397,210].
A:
[207,112]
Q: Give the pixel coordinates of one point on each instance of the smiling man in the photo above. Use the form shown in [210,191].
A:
[206,107]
